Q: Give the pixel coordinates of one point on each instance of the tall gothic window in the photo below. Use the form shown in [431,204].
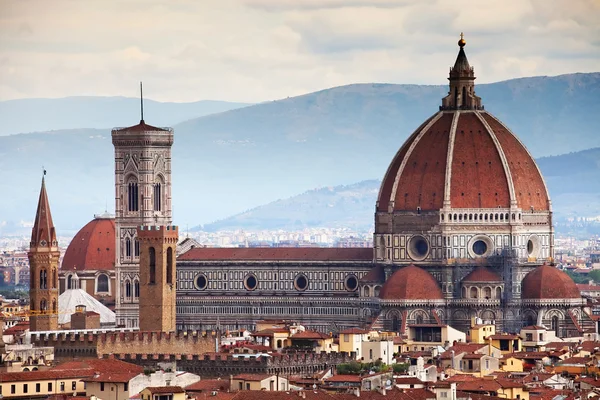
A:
[555,325]
[170,265]
[132,196]
[152,256]
[43,279]
[70,282]
[127,289]
[43,306]
[157,196]
[137,248]
[136,289]
[127,247]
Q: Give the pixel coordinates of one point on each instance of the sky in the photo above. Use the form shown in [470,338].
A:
[259,50]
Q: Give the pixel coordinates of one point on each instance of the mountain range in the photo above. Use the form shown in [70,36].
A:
[242,158]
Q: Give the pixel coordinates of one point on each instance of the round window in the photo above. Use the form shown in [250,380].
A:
[418,248]
[250,282]
[301,282]
[201,282]
[351,283]
[480,247]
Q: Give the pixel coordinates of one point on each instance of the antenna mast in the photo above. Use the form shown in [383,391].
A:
[141,103]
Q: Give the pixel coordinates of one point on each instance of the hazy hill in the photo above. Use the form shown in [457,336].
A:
[569,177]
[236,160]
[33,115]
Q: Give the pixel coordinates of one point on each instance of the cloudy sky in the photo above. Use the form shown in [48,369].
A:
[257,50]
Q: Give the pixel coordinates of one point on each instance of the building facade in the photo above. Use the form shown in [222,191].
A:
[142,198]
[463,229]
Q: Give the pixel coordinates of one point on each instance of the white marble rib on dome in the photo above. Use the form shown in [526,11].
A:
[71,298]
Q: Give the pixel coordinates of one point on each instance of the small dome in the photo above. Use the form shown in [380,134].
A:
[482,274]
[411,283]
[93,247]
[546,282]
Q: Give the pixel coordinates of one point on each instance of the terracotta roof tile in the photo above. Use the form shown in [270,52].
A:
[482,274]
[411,283]
[280,253]
[92,248]
[546,282]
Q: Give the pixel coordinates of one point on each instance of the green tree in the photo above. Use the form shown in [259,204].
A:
[400,368]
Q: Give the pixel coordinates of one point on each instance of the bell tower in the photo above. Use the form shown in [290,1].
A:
[142,198]
[43,265]
[157,277]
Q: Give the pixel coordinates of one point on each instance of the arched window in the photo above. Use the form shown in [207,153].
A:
[127,289]
[464,292]
[137,248]
[279,344]
[419,319]
[43,305]
[487,292]
[43,279]
[132,196]
[474,293]
[136,289]
[367,292]
[54,309]
[555,325]
[127,247]
[102,283]
[170,265]
[464,97]
[157,196]
[69,282]
[152,256]
[499,293]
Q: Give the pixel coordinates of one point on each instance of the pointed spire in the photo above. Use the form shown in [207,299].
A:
[43,233]
[141,104]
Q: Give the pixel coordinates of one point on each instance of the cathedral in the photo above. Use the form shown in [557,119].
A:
[463,230]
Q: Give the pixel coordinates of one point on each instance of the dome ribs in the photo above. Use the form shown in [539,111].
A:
[546,282]
[421,183]
[530,189]
[390,175]
[478,179]
[411,283]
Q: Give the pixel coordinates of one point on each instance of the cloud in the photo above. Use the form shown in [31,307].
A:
[259,50]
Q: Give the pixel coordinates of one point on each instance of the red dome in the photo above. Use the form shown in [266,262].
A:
[411,283]
[482,274]
[93,248]
[546,282]
[468,156]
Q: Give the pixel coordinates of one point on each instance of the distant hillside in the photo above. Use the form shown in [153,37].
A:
[36,115]
[573,180]
[226,163]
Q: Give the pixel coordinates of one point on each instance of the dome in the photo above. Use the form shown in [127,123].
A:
[482,274]
[70,299]
[411,283]
[463,158]
[93,247]
[546,282]
[468,158]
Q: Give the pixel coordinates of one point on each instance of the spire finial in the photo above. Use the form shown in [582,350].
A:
[141,103]
[462,42]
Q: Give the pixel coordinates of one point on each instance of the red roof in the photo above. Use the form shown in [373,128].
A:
[141,127]
[482,274]
[344,378]
[93,247]
[376,274]
[310,335]
[252,377]
[208,384]
[417,175]
[278,253]
[411,283]
[165,389]
[17,329]
[479,385]
[546,282]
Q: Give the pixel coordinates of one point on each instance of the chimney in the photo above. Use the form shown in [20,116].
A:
[383,391]
[231,383]
[357,392]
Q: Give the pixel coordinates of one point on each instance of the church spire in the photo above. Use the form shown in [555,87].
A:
[43,233]
[462,84]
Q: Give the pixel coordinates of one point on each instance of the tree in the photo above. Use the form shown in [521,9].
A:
[400,368]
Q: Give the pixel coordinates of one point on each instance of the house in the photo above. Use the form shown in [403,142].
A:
[258,382]
[274,337]
[312,341]
[350,340]
[478,364]
[422,371]
[162,393]
[409,382]
[425,336]
[374,349]
[479,332]
[535,337]
[506,343]
[510,363]
[576,366]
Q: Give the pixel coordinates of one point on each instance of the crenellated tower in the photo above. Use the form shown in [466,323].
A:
[158,273]
[43,264]
[142,198]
